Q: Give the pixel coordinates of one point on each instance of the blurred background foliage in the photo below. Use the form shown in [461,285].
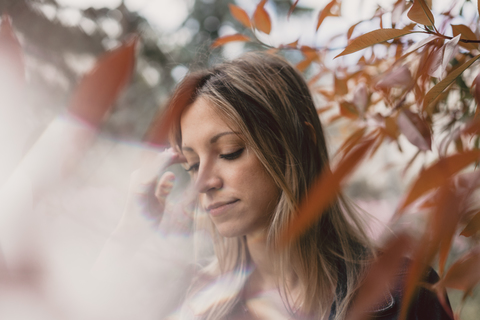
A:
[61,43]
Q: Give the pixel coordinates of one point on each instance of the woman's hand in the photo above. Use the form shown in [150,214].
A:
[147,195]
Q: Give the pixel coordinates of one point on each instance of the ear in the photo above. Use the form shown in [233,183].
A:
[312,132]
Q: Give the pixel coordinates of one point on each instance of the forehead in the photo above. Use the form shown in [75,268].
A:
[202,120]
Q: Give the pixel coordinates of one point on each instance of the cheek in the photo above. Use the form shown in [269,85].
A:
[260,186]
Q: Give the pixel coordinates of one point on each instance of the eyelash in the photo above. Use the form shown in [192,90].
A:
[228,157]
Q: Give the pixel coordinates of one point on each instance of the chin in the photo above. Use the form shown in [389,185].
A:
[229,233]
[229,230]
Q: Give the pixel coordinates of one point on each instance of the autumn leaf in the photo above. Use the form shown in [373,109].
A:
[341,87]
[231,38]
[439,87]
[157,134]
[352,141]
[415,129]
[98,89]
[292,7]
[261,18]
[472,128]
[327,11]
[371,38]
[240,15]
[438,174]
[351,29]
[419,44]
[348,109]
[464,274]
[324,190]
[466,33]
[380,277]
[420,13]
[399,77]
[442,57]
[472,227]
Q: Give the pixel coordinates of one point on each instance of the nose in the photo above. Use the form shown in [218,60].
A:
[208,179]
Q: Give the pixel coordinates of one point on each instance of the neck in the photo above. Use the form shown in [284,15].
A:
[265,275]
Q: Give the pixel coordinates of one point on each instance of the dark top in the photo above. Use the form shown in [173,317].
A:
[425,304]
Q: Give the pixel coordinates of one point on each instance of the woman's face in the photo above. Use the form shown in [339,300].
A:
[234,188]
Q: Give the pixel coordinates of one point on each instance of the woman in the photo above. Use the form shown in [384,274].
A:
[251,139]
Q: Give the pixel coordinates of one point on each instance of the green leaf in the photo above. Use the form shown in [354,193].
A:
[373,37]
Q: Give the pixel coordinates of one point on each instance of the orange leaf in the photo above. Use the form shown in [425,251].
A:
[352,141]
[292,7]
[371,38]
[466,33]
[420,13]
[472,227]
[434,92]
[327,11]
[11,56]
[158,132]
[464,274]
[391,127]
[240,15]
[98,90]
[414,129]
[380,277]
[341,87]
[348,110]
[399,77]
[302,65]
[473,127]
[324,191]
[438,174]
[261,18]
[231,38]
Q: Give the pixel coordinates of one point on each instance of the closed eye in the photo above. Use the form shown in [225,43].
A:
[194,167]
[233,155]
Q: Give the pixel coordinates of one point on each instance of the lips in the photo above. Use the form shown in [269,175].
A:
[219,208]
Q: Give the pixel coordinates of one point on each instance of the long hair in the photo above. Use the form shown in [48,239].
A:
[272,106]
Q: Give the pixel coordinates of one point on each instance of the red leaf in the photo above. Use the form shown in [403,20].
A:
[352,141]
[327,11]
[438,174]
[231,38]
[464,274]
[98,89]
[348,110]
[371,38]
[380,277]
[324,190]
[292,7]
[159,129]
[472,227]
[467,34]
[11,57]
[341,87]
[240,15]
[399,77]
[420,13]
[261,18]
[415,129]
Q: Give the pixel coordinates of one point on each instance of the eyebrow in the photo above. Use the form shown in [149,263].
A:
[213,140]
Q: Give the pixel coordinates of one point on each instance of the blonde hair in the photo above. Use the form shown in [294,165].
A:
[272,106]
